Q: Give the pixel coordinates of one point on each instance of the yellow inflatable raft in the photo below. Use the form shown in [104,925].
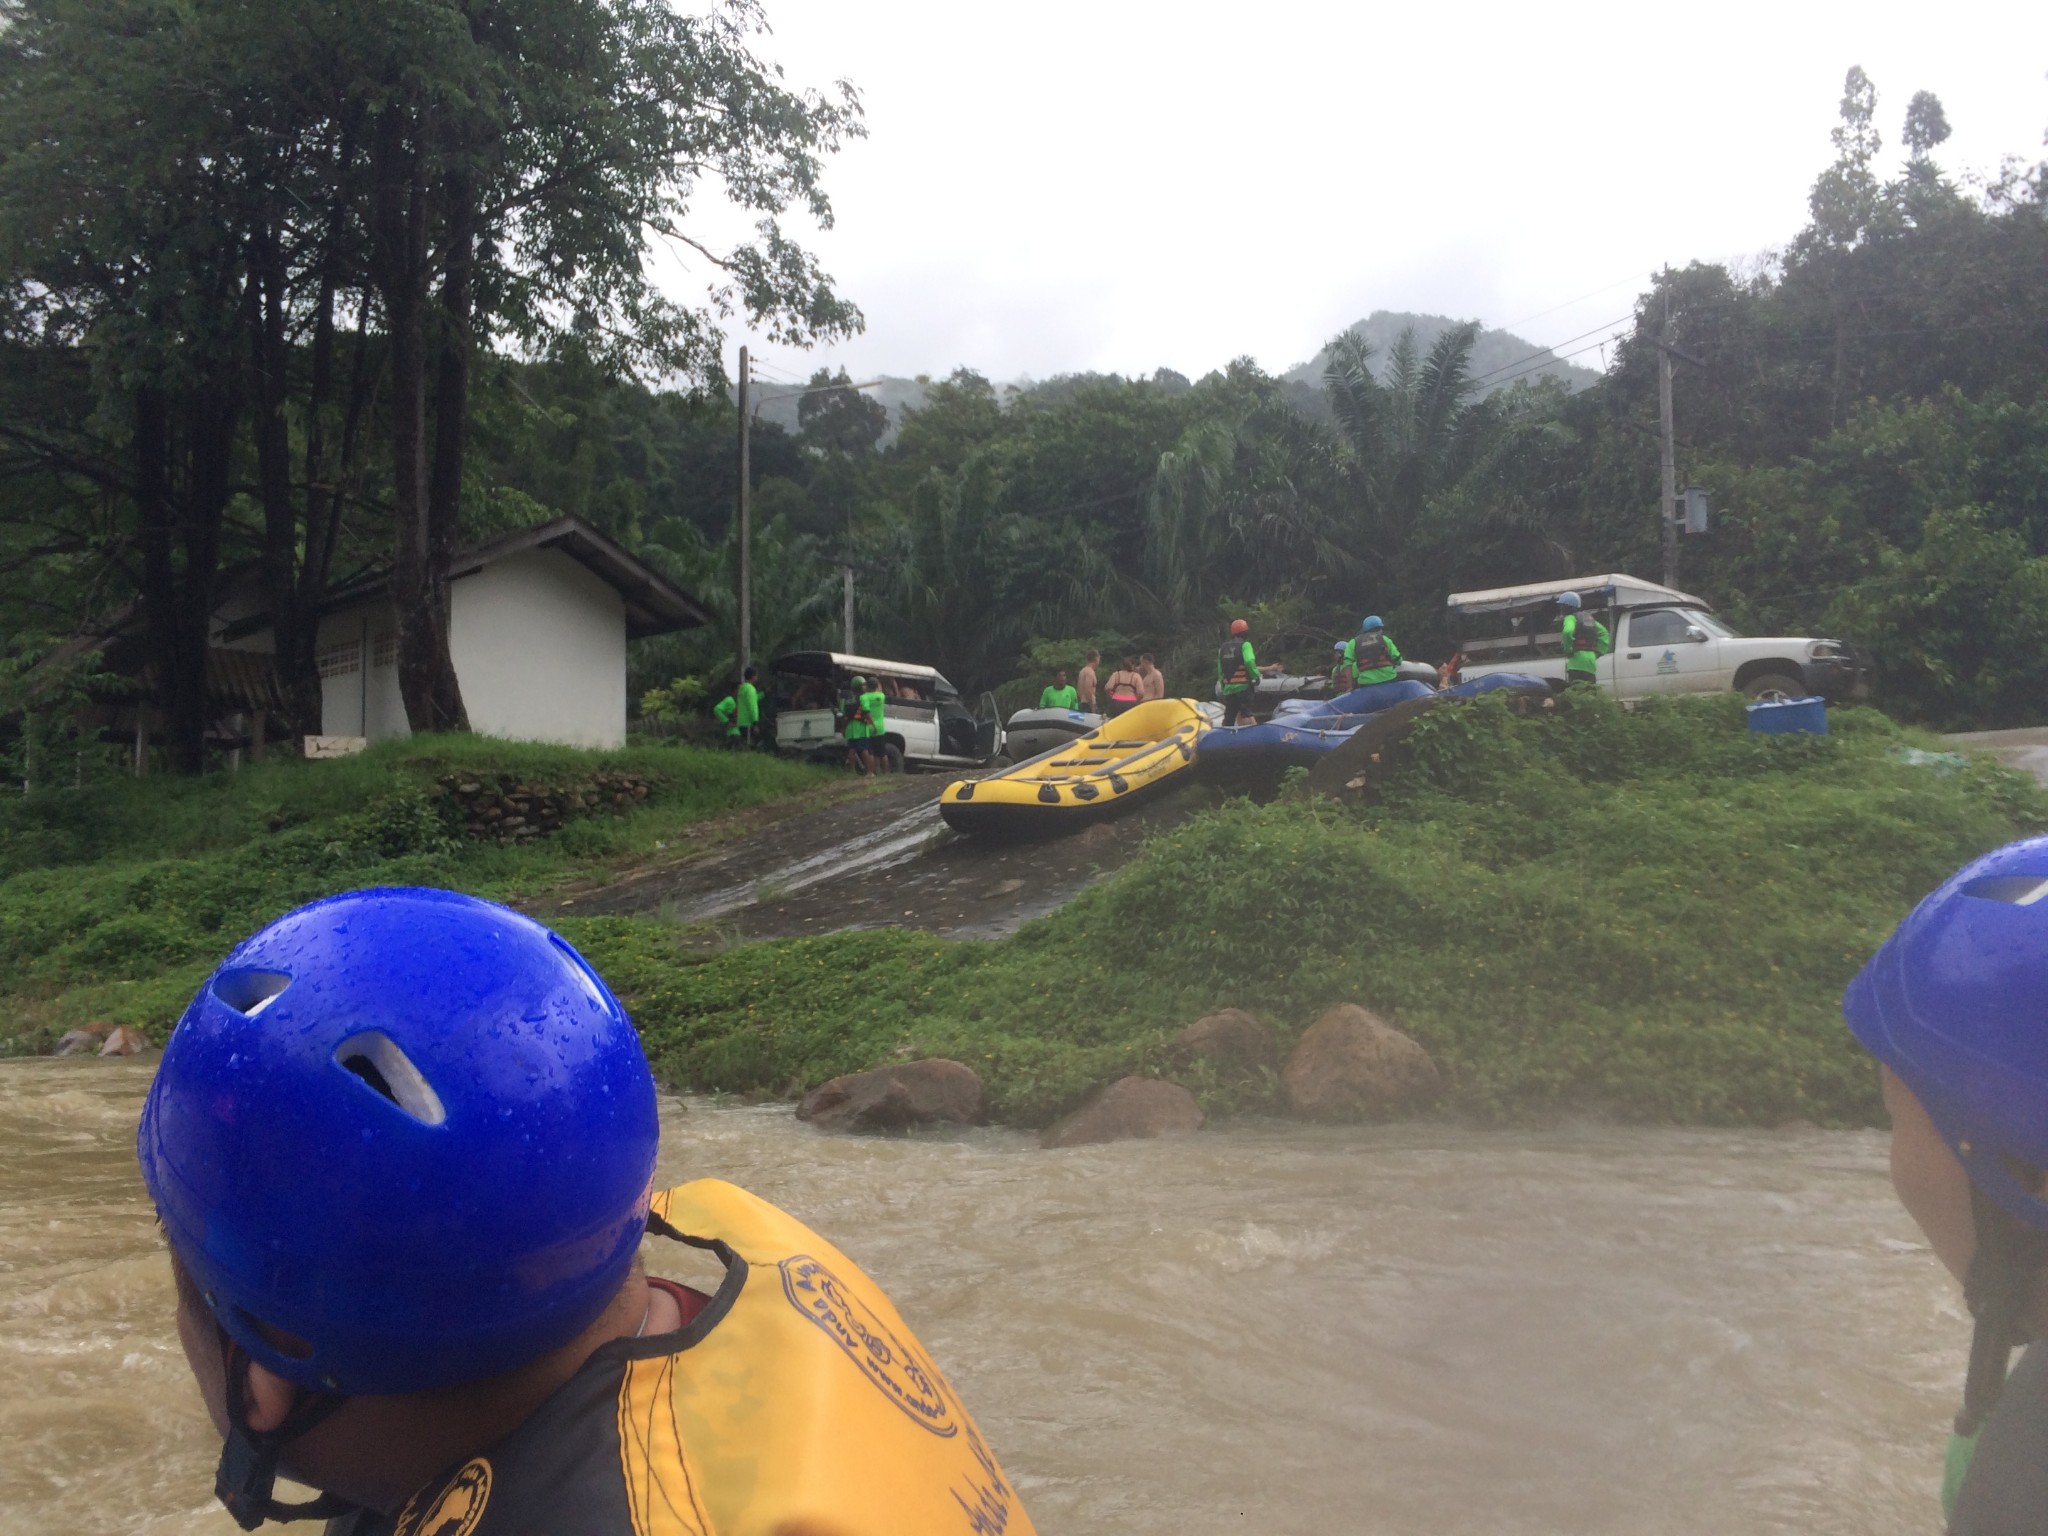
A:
[1142,752]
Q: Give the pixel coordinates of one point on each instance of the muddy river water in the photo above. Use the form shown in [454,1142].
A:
[1264,1329]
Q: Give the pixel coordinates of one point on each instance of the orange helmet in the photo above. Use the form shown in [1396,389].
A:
[1239,627]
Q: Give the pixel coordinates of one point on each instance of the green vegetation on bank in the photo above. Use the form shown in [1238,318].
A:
[1650,914]
[118,897]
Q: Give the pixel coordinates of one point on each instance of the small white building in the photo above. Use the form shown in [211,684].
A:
[537,627]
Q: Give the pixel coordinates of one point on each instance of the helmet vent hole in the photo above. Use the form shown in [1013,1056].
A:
[375,1057]
[250,992]
[2018,890]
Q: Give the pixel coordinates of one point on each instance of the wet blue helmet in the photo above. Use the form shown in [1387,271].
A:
[1370,623]
[1956,1004]
[1568,600]
[410,1128]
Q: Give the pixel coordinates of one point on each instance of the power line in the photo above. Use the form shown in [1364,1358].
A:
[1634,277]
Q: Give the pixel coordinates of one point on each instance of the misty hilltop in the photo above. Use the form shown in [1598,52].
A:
[1499,358]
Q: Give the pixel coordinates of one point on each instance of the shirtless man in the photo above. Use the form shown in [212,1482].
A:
[1084,685]
[1152,681]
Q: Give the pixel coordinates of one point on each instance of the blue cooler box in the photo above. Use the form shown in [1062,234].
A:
[1789,717]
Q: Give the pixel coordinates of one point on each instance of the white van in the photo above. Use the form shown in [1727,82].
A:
[923,722]
[1665,641]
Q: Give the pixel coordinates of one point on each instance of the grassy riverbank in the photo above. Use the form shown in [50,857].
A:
[116,899]
[1648,914]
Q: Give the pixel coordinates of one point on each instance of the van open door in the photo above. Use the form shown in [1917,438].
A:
[988,729]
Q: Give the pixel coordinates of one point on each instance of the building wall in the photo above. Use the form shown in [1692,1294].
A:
[358,656]
[540,650]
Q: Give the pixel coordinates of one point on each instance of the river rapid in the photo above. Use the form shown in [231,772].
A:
[1266,1329]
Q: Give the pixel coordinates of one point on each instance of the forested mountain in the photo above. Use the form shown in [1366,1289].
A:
[1869,413]
[1499,358]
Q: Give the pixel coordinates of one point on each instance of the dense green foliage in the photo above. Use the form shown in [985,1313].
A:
[116,898]
[1649,913]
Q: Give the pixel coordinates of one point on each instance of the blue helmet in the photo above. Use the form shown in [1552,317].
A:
[1956,1004]
[1370,623]
[408,1127]
[1568,600]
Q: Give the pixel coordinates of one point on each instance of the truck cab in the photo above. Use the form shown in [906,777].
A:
[923,721]
[1665,641]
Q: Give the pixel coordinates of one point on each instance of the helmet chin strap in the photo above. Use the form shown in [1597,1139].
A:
[248,1462]
[2010,1256]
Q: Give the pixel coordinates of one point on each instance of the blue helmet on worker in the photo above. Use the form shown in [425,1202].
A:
[407,1129]
[1568,600]
[1370,623]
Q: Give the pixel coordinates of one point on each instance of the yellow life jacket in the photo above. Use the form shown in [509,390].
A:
[807,1409]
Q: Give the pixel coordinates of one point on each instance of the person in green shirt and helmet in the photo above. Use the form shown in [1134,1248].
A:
[1237,675]
[1585,641]
[1371,656]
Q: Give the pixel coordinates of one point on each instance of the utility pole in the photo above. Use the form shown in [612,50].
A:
[747,527]
[1668,508]
[846,572]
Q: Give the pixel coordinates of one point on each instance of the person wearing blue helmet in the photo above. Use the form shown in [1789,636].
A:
[1585,640]
[1370,656]
[1954,1006]
[402,1145]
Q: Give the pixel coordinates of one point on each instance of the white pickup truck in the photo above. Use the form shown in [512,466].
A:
[1665,641]
[925,723]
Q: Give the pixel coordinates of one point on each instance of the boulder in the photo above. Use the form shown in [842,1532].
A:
[1351,1064]
[1230,1039]
[1129,1109]
[76,1042]
[895,1098]
[125,1041]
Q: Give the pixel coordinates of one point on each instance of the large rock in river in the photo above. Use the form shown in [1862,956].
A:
[895,1098]
[1230,1039]
[1351,1064]
[126,1040]
[1129,1109]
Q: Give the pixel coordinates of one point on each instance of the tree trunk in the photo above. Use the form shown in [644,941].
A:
[451,419]
[177,594]
[289,633]
[425,672]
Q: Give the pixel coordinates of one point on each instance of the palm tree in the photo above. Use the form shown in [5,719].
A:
[1403,432]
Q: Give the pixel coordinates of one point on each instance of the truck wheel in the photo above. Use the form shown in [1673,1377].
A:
[1774,685]
[893,758]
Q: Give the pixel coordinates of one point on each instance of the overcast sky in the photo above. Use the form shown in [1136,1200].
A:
[1126,184]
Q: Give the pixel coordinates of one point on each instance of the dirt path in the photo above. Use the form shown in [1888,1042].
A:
[2026,750]
[883,860]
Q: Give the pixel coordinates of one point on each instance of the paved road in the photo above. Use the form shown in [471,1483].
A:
[2026,750]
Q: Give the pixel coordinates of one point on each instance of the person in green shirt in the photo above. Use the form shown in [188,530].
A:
[874,706]
[747,709]
[1585,641]
[1237,675]
[1061,695]
[1372,657]
[853,722]
[723,712]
